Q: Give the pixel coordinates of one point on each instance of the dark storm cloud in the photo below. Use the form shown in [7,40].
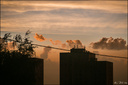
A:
[110,44]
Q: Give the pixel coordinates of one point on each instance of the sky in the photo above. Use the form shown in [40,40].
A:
[100,26]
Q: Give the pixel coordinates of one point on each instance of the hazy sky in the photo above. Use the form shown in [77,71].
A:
[87,21]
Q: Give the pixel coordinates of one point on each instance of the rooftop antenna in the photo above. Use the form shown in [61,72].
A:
[74,46]
[77,45]
[84,47]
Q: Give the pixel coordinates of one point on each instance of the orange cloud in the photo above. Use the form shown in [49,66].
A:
[56,42]
[39,37]
[63,45]
[73,43]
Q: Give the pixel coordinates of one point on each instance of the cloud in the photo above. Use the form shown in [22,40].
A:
[75,17]
[39,37]
[64,21]
[110,44]
[110,6]
[73,43]
[58,43]
[70,43]
[63,45]
[44,55]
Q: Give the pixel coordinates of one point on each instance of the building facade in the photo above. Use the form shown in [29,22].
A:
[80,67]
[23,72]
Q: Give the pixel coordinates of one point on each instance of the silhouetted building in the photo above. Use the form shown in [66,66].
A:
[22,72]
[80,67]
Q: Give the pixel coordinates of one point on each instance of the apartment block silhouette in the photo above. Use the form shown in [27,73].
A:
[22,72]
[80,67]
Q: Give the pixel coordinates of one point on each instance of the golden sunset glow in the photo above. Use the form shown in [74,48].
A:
[100,26]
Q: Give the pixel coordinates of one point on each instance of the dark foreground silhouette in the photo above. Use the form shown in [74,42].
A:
[17,67]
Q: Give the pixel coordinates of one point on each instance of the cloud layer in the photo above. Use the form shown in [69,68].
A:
[110,6]
[77,18]
[110,44]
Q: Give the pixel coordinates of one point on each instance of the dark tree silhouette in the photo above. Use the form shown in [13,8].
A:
[13,62]
[18,67]
[25,48]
